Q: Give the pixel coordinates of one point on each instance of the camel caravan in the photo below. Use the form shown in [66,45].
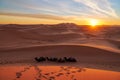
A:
[54,59]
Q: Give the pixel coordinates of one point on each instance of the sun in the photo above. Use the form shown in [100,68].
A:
[94,22]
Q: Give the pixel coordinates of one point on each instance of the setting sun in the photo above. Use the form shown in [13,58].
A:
[94,22]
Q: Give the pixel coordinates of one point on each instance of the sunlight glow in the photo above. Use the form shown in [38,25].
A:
[93,22]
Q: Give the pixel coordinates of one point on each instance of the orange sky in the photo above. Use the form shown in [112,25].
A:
[27,20]
[59,11]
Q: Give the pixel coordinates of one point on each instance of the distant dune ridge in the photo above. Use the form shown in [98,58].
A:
[91,47]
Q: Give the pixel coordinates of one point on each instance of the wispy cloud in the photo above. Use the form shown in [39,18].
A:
[99,6]
[39,16]
[59,9]
[77,8]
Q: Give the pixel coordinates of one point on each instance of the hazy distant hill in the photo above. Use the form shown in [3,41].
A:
[25,35]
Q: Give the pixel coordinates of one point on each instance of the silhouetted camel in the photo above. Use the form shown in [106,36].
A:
[53,59]
[40,59]
[74,60]
[67,59]
[49,59]
[37,59]
[61,60]
[70,59]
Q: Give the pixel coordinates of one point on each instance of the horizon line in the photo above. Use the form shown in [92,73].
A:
[58,24]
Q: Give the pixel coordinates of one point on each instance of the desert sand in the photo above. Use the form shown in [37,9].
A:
[99,48]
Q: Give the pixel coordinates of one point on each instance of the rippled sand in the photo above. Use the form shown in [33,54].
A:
[34,72]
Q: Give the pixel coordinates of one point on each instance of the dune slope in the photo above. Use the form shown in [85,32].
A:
[83,54]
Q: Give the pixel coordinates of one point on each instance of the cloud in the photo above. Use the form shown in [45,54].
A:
[83,8]
[39,16]
[60,9]
[102,7]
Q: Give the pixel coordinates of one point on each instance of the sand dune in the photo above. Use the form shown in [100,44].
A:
[84,54]
[21,43]
[31,35]
[115,42]
[19,35]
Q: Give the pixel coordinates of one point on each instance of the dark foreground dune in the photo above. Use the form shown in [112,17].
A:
[86,56]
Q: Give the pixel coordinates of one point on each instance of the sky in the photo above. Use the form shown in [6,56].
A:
[59,11]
